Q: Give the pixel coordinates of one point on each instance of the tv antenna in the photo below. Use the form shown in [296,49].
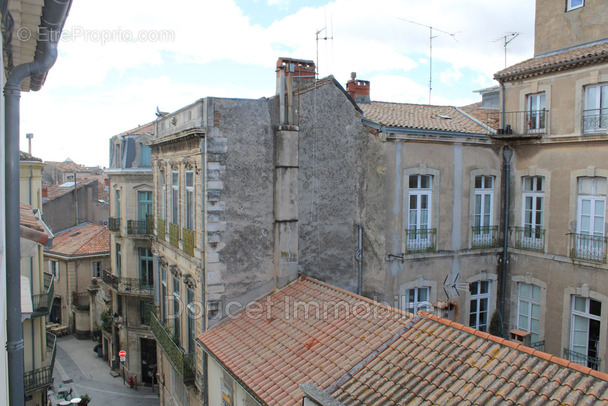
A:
[507,38]
[318,38]
[451,34]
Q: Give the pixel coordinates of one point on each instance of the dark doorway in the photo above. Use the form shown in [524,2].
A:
[55,316]
[148,361]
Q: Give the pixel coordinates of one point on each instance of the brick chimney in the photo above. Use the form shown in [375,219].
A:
[301,70]
[45,191]
[358,90]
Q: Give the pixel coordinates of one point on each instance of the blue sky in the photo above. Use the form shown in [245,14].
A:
[119,60]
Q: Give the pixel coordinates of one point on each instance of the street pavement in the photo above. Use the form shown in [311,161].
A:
[90,374]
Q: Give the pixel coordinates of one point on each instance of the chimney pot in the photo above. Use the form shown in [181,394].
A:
[353,75]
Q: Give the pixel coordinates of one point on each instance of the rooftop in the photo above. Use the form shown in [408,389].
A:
[83,240]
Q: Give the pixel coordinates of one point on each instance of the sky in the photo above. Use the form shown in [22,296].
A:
[120,60]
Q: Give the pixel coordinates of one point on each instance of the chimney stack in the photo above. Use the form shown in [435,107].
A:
[358,90]
[45,191]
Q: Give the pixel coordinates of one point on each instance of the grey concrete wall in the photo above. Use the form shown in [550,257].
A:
[60,213]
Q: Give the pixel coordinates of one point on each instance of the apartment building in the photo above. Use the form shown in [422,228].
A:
[128,275]
[554,118]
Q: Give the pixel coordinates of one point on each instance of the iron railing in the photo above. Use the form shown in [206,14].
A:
[43,302]
[484,237]
[188,241]
[114,224]
[529,123]
[588,247]
[160,229]
[538,345]
[582,359]
[136,286]
[174,234]
[595,121]
[42,377]
[184,363]
[420,240]
[529,238]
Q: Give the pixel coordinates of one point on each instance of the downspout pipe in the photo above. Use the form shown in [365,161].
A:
[507,154]
[53,18]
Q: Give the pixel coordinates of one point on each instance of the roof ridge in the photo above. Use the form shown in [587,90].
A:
[520,347]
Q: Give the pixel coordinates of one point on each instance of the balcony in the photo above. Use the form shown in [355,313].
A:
[595,121]
[421,240]
[528,238]
[140,227]
[160,229]
[184,363]
[114,224]
[519,124]
[484,237]
[42,378]
[188,241]
[588,247]
[128,286]
[582,359]
[43,302]
[174,234]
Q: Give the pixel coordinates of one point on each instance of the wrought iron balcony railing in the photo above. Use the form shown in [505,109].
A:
[188,241]
[42,377]
[160,228]
[484,237]
[140,227]
[582,359]
[595,121]
[134,286]
[184,363]
[588,247]
[421,240]
[538,345]
[174,234]
[529,123]
[43,302]
[114,224]
[528,238]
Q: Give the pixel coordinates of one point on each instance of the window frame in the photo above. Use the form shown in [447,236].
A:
[163,196]
[118,260]
[175,197]
[97,266]
[147,203]
[145,254]
[570,7]
[477,298]
[529,302]
[419,239]
[412,306]
[537,116]
[532,230]
[586,314]
[190,201]
[54,268]
[599,101]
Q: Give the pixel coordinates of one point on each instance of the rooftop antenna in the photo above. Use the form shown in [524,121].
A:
[451,34]
[325,38]
[507,38]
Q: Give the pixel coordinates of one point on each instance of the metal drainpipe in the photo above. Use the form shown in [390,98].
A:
[53,18]
[359,257]
[507,154]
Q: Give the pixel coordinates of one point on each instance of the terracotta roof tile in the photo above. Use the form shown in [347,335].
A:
[557,61]
[422,117]
[86,239]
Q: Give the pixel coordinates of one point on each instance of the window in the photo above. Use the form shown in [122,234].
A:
[175,197]
[118,261]
[595,115]
[191,320]
[190,200]
[54,269]
[163,294]
[146,155]
[97,269]
[163,196]
[528,309]
[419,207]
[573,4]
[417,299]
[117,209]
[535,113]
[143,311]
[144,205]
[533,199]
[480,300]
[585,331]
[591,214]
[483,233]
[177,323]
[146,272]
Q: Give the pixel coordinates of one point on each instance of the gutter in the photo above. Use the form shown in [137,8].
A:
[54,14]
[507,154]
[418,131]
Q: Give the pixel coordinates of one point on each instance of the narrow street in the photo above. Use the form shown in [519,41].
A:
[79,368]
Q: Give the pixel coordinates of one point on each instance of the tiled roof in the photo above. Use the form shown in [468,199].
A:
[86,239]
[279,346]
[554,62]
[141,129]
[66,166]
[440,362]
[490,117]
[25,156]
[422,117]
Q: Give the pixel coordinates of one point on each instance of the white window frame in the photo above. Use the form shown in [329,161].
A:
[589,247]
[583,314]
[571,4]
[163,196]
[175,197]
[190,203]
[97,269]
[477,298]
[54,269]
[532,196]
[419,193]
[482,216]
[525,310]
[420,299]
[598,109]
[536,113]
